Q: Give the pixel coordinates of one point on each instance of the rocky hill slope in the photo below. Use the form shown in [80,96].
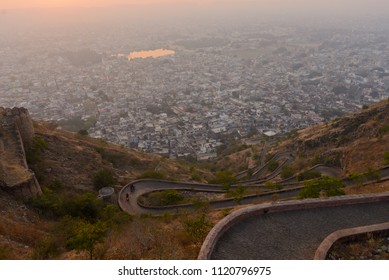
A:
[354,143]
[66,166]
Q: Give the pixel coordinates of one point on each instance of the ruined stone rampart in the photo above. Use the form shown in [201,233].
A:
[16,132]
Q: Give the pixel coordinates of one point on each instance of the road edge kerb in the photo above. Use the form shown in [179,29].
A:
[345,235]
[227,222]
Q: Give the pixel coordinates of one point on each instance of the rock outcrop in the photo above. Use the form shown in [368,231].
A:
[16,132]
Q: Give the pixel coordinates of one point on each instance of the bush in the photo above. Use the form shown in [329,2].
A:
[152,175]
[197,228]
[34,151]
[273,165]
[165,198]
[272,186]
[86,206]
[103,178]
[308,175]
[237,193]
[83,132]
[46,250]
[386,158]
[196,177]
[85,236]
[357,178]
[384,129]
[287,171]
[48,204]
[4,253]
[224,177]
[373,174]
[327,185]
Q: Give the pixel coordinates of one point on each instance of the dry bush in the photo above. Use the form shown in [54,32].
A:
[149,238]
[25,234]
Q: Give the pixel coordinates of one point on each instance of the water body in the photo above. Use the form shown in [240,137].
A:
[151,53]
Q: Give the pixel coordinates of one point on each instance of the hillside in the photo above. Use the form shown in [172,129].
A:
[67,164]
[353,143]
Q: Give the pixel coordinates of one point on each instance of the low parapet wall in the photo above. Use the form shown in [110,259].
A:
[347,235]
[242,214]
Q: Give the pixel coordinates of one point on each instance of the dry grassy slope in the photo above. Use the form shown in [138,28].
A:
[21,229]
[74,160]
[354,142]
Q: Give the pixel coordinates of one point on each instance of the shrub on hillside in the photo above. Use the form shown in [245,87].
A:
[308,175]
[386,158]
[224,177]
[273,165]
[35,149]
[152,175]
[328,186]
[197,228]
[103,178]
[165,198]
[287,171]
[373,174]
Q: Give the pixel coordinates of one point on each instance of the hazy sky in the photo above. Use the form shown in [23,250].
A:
[265,4]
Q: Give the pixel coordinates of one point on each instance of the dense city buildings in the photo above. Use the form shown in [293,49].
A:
[218,86]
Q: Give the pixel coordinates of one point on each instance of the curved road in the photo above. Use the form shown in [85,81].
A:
[142,187]
[294,234]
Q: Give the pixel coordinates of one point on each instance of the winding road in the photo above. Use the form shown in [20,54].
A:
[274,234]
[295,234]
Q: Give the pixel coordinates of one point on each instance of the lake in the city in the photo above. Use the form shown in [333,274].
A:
[151,53]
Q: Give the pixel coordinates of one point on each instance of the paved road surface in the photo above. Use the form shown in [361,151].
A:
[293,234]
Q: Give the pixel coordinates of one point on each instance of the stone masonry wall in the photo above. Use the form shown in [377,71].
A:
[16,131]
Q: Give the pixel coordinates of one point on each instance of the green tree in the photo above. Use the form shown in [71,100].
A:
[35,149]
[308,175]
[86,236]
[224,177]
[273,165]
[164,198]
[272,185]
[103,178]
[328,185]
[237,193]
[197,228]
[357,178]
[287,171]
[86,206]
[48,203]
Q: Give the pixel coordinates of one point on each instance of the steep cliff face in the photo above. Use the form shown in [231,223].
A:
[16,131]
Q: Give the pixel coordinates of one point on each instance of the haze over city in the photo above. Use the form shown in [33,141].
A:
[189,110]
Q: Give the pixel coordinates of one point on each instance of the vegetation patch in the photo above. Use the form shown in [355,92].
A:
[273,165]
[152,175]
[327,186]
[104,178]
[35,150]
[197,227]
[237,193]
[163,198]
[308,175]
[386,158]
[287,171]
[225,178]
